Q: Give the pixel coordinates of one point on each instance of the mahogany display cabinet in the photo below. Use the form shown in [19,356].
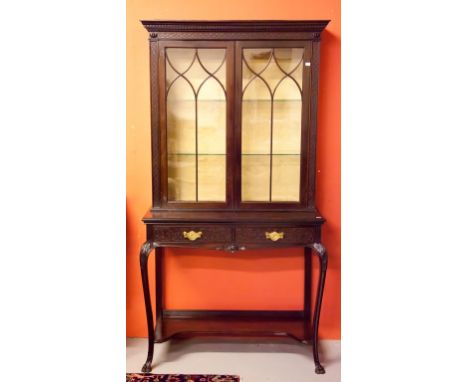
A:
[233,137]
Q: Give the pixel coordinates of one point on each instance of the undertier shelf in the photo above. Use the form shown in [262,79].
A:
[182,324]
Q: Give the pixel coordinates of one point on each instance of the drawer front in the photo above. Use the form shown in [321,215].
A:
[190,234]
[276,236]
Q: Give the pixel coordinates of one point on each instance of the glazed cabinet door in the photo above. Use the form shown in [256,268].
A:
[196,113]
[272,109]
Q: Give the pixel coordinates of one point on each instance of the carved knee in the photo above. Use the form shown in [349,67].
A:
[321,253]
[145,251]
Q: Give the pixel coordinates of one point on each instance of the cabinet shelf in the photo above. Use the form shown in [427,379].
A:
[204,154]
[274,154]
[243,100]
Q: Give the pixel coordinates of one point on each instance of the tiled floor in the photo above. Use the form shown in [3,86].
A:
[254,360]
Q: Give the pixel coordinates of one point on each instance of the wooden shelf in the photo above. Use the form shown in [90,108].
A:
[243,100]
[201,154]
[182,324]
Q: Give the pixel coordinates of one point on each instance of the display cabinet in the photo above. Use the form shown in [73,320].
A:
[233,136]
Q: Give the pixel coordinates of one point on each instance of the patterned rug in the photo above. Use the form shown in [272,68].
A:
[145,377]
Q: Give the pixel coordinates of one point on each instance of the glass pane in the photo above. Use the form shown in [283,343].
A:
[213,61]
[211,119]
[181,177]
[212,178]
[255,177]
[289,60]
[271,124]
[287,119]
[180,119]
[196,124]
[285,178]
[256,123]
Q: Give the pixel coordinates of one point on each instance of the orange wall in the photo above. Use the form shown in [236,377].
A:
[254,279]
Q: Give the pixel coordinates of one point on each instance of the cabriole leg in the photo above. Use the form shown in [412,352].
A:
[321,252]
[144,254]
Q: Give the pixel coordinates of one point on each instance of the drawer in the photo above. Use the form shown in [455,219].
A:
[276,235]
[190,234]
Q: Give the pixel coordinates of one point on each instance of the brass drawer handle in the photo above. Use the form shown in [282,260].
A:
[274,236]
[192,235]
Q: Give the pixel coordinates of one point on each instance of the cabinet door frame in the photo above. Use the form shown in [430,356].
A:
[307,125]
[160,154]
